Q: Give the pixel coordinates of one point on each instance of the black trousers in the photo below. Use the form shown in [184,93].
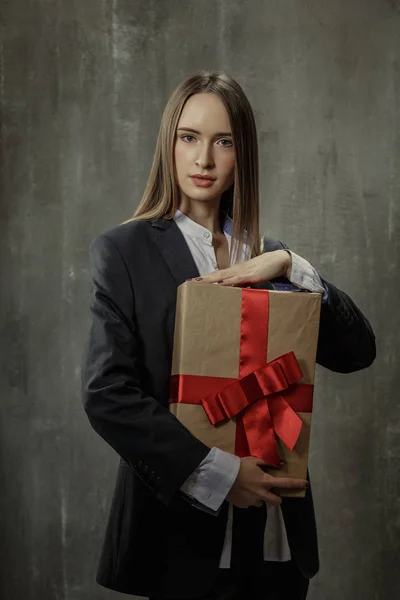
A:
[276,581]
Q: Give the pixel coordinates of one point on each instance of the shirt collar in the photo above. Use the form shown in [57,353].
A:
[196,230]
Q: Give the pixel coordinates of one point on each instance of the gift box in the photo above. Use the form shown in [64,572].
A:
[243,372]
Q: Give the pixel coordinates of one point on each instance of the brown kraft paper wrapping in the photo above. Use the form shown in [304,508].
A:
[207,343]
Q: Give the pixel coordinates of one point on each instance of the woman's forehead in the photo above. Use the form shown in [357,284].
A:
[204,111]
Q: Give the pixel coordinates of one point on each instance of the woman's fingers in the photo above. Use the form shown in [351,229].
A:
[272,498]
[220,279]
[223,275]
[259,504]
[284,482]
[232,281]
[215,277]
[268,467]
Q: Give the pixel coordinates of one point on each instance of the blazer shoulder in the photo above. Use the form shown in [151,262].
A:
[269,244]
[124,235]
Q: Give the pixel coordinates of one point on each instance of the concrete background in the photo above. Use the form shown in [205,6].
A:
[82,88]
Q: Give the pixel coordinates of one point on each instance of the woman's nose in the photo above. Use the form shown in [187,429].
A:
[205,158]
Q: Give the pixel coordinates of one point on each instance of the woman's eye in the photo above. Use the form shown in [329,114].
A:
[187,136]
[229,142]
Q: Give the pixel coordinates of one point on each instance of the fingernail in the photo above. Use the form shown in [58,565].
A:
[198,278]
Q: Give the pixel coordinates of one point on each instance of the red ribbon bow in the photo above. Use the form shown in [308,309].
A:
[264,412]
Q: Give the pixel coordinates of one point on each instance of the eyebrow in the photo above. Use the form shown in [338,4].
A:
[220,134]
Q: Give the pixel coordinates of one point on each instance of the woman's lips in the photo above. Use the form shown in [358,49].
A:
[202,182]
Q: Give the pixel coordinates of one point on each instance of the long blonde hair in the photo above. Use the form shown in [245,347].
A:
[241,200]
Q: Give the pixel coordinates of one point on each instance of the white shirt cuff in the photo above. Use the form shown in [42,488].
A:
[304,276]
[211,482]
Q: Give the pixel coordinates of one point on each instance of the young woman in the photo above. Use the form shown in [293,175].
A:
[188,521]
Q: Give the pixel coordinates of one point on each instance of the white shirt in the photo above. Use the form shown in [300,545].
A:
[210,483]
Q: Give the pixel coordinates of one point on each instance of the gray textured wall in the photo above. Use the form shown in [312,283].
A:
[82,88]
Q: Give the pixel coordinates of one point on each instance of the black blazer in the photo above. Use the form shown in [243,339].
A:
[155,540]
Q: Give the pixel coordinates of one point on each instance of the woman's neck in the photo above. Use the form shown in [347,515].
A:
[204,214]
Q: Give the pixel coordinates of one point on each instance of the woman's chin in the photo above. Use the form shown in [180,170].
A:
[201,195]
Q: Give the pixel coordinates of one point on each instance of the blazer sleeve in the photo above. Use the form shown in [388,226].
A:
[346,342]
[161,451]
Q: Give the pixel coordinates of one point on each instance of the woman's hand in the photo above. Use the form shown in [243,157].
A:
[261,268]
[253,486]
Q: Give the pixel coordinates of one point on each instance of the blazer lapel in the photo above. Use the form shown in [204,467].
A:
[174,250]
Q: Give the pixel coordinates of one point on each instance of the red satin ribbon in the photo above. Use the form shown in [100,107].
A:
[264,399]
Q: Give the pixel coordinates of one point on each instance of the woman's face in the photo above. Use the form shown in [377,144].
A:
[204,146]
